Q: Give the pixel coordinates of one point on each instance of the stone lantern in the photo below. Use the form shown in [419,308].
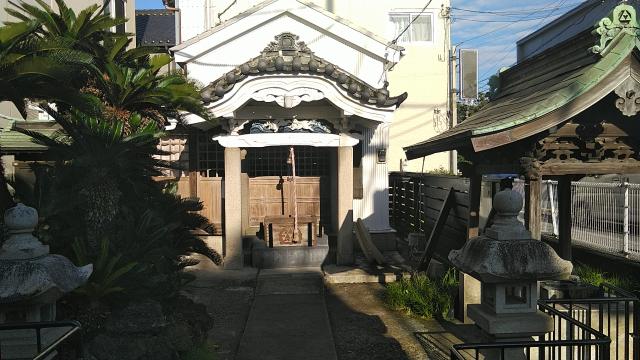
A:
[31,281]
[509,264]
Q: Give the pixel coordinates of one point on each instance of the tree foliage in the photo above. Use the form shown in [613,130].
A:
[98,200]
[121,79]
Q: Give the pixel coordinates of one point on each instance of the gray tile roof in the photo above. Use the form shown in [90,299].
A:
[155,27]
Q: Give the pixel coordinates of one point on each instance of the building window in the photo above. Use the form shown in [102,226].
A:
[208,159]
[116,9]
[274,161]
[420,26]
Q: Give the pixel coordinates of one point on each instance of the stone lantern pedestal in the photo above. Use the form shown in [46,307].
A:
[31,282]
[509,264]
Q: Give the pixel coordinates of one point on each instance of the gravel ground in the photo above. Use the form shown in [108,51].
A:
[364,328]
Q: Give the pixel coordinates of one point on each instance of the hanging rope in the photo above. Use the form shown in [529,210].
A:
[292,156]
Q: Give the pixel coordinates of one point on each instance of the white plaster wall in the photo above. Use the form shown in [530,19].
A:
[215,62]
[373,208]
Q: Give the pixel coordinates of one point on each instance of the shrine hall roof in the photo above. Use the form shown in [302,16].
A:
[548,89]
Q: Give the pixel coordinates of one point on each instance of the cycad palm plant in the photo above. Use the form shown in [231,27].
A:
[103,188]
[96,165]
[125,80]
[39,69]
[86,31]
[144,89]
[36,68]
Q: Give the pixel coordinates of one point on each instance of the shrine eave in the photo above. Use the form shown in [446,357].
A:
[550,88]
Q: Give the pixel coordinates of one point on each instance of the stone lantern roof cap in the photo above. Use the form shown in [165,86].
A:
[506,252]
[29,273]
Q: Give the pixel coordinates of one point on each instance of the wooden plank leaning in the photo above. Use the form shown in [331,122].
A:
[434,237]
[369,249]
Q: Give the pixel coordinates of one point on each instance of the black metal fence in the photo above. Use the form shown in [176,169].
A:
[45,346]
[614,314]
[601,328]
[580,343]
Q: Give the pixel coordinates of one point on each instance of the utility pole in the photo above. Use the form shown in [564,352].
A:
[453,104]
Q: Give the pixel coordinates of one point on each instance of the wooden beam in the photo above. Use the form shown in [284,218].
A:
[564,215]
[604,167]
[469,288]
[533,211]
[475,192]
[193,184]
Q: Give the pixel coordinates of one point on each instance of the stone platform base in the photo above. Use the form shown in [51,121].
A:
[510,325]
[289,256]
[363,272]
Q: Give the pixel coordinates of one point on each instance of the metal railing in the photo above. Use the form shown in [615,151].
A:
[43,351]
[613,314]
[571,339]
[604,327]
[605,216]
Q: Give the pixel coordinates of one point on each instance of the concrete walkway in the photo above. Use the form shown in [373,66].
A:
[288,319]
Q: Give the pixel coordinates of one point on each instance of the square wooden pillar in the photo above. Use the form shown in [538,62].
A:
[232,209]
[533,210]
[345,206]
[564,217]
[469,287]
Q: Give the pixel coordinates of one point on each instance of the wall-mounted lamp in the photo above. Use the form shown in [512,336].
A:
[382,156]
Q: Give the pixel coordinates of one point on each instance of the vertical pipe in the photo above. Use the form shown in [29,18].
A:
[453,103]
[625,242]
[554,210]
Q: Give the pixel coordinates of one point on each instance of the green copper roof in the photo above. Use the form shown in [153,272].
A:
[14,141]
[546,82]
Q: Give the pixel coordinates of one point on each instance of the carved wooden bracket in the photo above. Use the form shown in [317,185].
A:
[629,93]
[531,167]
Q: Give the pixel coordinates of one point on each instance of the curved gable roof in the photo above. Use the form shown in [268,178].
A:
[548,89]
[287,55]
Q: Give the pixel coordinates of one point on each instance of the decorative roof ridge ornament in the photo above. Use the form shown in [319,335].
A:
[622,20]
[286,44]
[287,55]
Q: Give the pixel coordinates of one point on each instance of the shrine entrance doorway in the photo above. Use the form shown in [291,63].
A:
[289,208]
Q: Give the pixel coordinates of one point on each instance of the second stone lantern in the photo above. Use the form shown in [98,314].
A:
[509,264]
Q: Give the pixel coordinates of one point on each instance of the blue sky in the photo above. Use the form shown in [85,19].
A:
[149,4]
[494,26]
[491,26]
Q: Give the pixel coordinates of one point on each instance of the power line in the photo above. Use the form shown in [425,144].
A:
[485,34]
[499,21]
[513,12]
[411,22]
[513,47]
[595,5]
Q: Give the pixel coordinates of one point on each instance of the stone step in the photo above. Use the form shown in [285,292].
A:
[289,256]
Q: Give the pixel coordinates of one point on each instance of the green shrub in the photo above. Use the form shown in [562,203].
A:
[422,296]
[596,277]
[206,351]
